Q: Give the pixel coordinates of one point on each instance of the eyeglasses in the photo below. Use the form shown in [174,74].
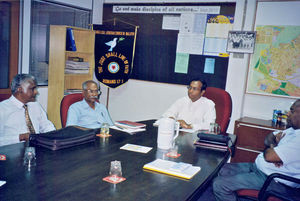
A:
[94,91]
[193,88]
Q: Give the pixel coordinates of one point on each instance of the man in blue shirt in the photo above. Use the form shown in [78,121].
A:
[89,113]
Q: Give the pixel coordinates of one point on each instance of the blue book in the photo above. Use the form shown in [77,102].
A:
[70,40]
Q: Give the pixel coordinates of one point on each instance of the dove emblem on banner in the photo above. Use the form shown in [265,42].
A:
[112,44]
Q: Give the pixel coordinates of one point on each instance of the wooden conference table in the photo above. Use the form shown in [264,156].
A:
[76,173]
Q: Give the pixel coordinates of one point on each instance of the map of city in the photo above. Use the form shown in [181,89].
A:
[275,65]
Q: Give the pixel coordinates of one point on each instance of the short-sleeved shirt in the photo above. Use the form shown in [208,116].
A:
[288,150]
[81,114]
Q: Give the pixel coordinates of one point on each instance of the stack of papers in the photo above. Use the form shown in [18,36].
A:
[178,169]
[72,91]
[129,126]
[74,67]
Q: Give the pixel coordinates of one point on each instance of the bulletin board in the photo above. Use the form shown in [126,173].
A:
[155,51]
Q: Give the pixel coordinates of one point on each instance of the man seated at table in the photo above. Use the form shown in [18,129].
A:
[89,113]
[21,114]
[193,111]
[280,156]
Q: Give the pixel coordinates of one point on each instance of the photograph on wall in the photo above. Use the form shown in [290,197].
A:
[241,41]
[274,68]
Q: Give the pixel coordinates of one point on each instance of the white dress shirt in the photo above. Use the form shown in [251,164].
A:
[199,113]
[13,122]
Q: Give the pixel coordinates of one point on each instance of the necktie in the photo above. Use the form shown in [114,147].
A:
[28,121]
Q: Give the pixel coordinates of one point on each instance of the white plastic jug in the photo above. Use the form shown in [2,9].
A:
[166,131]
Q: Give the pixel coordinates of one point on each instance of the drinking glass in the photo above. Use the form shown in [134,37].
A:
[173,151]
[214,128]
[217,128]
[115,171]
[105,129]
[29,157]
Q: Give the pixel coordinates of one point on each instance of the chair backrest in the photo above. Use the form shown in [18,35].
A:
[4,96]
[223,105]
[66,102]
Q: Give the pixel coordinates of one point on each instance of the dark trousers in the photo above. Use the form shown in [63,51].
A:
[235,176]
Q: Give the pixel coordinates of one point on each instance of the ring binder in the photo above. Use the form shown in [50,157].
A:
[70,40]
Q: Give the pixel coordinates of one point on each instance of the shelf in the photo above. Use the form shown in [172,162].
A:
[59,81]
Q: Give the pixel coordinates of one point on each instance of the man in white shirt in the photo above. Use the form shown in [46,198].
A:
[13,122]
[193,111]
[280,156]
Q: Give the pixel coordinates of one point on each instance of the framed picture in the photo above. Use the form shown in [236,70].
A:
[241,41]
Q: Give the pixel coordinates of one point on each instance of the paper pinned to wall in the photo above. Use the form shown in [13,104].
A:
[209,66]
[192,23]
[171,22]
[190,43]
[214,46]
[181,63]
[219,25]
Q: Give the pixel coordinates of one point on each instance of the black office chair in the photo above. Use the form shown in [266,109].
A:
[272,190]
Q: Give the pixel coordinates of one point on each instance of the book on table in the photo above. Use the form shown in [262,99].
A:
[131,131]
[129,124]
[177,169]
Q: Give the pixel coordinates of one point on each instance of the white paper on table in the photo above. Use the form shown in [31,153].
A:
[2,183]
[136,148]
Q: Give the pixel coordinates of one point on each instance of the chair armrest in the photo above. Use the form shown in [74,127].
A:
[263,195]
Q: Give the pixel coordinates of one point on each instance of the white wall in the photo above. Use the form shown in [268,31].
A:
[140,100]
